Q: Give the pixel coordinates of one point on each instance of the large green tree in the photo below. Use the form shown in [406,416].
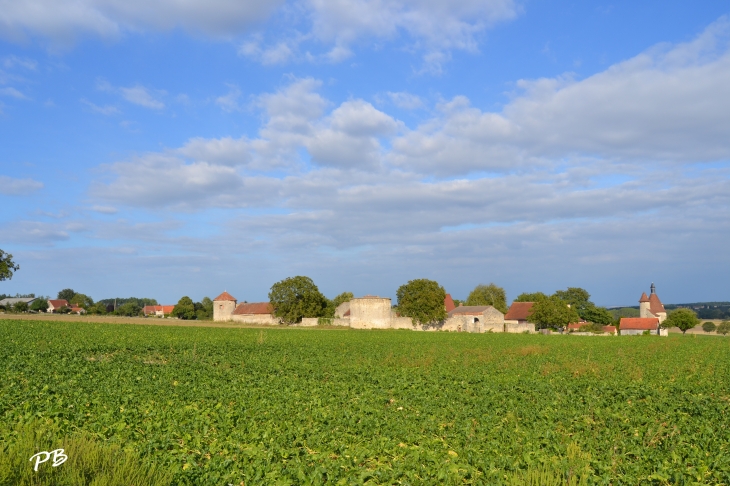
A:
[531,297]
[185,309]
[578,298]
[295,298]
[552,312]
[488,295]
[204,309]
[597,315]
[682,318]
[81,300]
[422,300]
[7,266]
[66,294]
[129,309]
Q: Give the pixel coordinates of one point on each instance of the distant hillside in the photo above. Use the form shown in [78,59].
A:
[704,310]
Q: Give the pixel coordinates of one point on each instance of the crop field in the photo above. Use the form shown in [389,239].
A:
[186,405]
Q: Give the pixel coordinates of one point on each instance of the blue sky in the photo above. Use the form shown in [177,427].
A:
[186,148]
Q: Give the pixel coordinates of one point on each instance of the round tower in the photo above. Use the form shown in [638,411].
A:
[644,304]
[223,307]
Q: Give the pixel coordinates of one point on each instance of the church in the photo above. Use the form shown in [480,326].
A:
[651,315]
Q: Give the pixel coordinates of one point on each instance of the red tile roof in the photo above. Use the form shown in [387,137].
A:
[254,308]
[151,309]
[643,298]
[655,305]
[449,303]
[225,296]
[576,325]
[609,328]
[77,309]
[639,323]
[58,303]
[519,311]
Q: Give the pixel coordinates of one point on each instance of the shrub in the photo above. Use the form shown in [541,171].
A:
[709,326]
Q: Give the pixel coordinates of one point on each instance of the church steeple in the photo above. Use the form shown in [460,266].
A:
[653,289]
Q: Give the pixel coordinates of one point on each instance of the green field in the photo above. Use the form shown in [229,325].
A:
[308,406]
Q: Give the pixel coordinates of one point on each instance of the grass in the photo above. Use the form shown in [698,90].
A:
[191,405]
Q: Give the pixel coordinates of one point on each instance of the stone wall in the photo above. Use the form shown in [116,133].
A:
[518,327]
[267,319]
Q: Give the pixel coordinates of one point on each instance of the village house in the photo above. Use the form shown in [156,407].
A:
[158,310]
[55,304]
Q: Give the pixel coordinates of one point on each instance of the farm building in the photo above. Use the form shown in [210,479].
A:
[158,310]
[515,320]
[226,308]
[477,318]
[10,301]
[631,326]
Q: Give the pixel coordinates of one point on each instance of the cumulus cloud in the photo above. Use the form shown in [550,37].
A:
[670,103]
[406,101]
[18,187]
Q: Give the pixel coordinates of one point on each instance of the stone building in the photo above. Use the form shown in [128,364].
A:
[226,308]
[475,318]
[651,306]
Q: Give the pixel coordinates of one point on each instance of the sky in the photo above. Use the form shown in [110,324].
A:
[170,148]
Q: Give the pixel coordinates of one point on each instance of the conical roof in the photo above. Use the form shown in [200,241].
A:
[644,297]
[225,296]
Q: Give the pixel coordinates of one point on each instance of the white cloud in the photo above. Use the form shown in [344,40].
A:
[406,101]
[18,187]
[63,22]
[223,151]
[671,103]
[13,93]
[11,62]
[165,181]
[229,102]
[104,209]
[103,110]
[139,95]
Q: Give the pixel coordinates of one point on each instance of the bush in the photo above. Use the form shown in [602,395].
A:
[20,307]
[591,327]
[709,326]
[39,305]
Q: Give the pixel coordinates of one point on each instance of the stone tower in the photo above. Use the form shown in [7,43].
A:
[223,307]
